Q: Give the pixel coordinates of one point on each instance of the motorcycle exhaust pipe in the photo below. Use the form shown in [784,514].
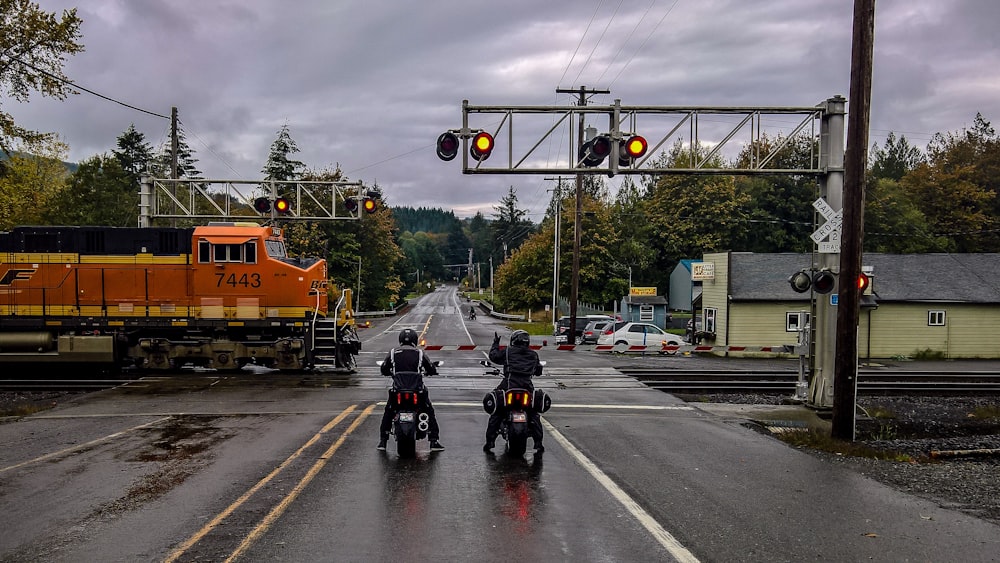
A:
[424,422]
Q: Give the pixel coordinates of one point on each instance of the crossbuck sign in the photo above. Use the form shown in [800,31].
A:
[827,237]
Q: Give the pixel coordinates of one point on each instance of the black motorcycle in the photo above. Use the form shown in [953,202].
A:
[518,406]
[472,314]
[410,422]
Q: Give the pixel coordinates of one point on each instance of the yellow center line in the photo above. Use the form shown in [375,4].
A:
[280,508]
[181,549]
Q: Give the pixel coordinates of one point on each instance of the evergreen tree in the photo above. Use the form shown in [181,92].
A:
[100,192]
[185,158]
[895,159]
[279,166]
[134,154]
[510,228]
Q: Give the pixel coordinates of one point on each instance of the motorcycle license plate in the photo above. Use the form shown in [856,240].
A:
[518,417]
[406,417]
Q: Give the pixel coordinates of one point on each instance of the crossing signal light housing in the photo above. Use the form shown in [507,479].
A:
[824,281]
[630,149]
[594,151]
[370,205]
[282,206]
[864,282]
[482,146]
[262,205]
[351,204]
[800,281]
[447,146]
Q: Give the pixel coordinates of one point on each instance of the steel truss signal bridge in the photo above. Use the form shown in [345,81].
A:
[234,200]
[705,133]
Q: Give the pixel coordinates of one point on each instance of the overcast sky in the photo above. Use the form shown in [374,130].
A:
[369,84]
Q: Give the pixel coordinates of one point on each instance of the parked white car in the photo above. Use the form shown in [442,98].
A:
[637,334]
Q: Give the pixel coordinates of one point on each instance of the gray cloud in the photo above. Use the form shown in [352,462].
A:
[368,85]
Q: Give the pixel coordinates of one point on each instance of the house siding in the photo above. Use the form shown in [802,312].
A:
[715,294]
[762,324]
[900,329]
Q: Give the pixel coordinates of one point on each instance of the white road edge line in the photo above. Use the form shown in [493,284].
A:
[669,542]
[84,445]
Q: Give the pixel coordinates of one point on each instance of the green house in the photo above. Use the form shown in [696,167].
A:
[942,303]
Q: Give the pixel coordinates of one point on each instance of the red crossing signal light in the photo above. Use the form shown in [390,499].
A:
[482,146]
[630,149]
[282,206]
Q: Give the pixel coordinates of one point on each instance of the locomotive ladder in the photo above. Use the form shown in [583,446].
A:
[325,342]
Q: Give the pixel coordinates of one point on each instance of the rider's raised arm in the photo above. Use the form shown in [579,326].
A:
[497,355]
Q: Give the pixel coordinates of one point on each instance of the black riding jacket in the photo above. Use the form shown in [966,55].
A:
[406,366]
[519,363]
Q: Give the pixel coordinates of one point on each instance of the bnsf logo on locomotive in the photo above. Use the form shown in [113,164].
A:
[13,275]
[317,284]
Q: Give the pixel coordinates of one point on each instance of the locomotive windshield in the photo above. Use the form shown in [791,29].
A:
[275,248]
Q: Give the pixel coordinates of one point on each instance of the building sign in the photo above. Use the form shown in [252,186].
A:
[642,291]
[701,271]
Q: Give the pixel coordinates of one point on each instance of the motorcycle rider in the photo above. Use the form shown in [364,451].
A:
[472,312]
[406,366]
[520,363]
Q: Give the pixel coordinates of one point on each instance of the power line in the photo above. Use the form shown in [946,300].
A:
[77,86]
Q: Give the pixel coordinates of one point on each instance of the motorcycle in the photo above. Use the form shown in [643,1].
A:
[472,314]
[518,406]
[410,422]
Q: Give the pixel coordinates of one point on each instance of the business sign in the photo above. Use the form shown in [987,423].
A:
[642,291]
[701,271]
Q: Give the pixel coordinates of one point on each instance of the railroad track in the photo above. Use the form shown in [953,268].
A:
[870,382]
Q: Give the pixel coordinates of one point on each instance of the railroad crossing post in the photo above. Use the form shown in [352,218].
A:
[831,188]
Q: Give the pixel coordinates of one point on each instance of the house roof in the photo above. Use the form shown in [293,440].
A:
[936,277]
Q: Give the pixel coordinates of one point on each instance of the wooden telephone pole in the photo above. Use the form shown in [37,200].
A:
[855,164]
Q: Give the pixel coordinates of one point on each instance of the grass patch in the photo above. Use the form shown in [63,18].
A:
[822,441]
[24,409]
[535,328]
[928,354]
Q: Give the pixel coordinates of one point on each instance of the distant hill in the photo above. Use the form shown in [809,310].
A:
[70,166]
[423,219]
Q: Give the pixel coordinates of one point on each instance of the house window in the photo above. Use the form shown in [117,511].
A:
[796,321]
[710,314]
[645,312]
[935,318]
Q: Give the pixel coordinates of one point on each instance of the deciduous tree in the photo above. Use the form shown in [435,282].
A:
[33,46]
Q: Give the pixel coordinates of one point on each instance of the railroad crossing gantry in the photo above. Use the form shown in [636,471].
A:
[754,127]
[233,200]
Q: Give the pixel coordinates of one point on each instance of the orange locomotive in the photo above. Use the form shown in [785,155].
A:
[220,296]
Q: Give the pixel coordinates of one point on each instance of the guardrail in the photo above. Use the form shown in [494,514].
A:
[488,307]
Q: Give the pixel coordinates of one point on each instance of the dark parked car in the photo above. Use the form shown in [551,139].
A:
[562,327]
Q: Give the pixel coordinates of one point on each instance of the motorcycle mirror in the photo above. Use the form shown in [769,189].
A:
[543,362]
[484,363]
[438,363]
[379,363]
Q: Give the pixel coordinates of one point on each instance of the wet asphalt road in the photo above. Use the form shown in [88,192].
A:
[210,468]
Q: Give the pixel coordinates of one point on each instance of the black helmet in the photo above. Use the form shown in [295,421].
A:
[520,338]
[408,336]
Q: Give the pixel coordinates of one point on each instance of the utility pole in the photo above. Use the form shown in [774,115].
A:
[855,161]
[173,161]
[555,249]
[577,227]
